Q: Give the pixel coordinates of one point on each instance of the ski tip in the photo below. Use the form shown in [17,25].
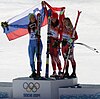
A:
[97,51]
[79,11]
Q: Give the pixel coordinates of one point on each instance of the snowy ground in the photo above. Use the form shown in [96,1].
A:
[14,61]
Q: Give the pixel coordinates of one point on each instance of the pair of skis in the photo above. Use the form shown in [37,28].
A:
[48,45]
[38,44]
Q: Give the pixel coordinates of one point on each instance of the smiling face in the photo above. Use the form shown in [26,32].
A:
[54,17]
[67,23]
[32,18]
[53,20]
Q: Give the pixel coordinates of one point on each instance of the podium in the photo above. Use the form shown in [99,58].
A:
[28,88]
[6,90]
[86,91]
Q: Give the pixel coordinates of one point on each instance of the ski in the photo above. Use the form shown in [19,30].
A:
[79,12]
[48,43]
[69,49]
[87,46]
[38,44]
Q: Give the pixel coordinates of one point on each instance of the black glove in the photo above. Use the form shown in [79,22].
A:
[64,42]
[36,34]
[56,44]
[5,25]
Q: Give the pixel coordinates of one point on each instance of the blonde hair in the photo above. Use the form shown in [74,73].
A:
[69,22]
[31,15]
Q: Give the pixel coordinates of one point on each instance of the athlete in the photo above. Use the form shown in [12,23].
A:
[54,51]
[33,40]
[68,46]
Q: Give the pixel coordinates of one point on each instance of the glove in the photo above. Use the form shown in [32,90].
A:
[55,44]
[5,25]
[70,41]
[37,35]
[64,42]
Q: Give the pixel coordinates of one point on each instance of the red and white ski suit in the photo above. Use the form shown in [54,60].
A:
[67,35]
[54,52]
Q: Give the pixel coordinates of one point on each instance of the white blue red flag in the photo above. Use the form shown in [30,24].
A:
[17,26]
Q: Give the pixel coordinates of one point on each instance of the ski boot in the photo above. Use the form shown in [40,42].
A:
[66,75]
[73,75]
[33,75]
[54,74]
[60,73]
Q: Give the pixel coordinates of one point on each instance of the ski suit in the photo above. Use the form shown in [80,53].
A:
[33,41]
[33,48]
[54,51]
[66,41]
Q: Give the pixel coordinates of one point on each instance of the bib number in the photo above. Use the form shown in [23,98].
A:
[53,33]
[32,36]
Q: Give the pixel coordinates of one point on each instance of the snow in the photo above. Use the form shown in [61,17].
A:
[14,60]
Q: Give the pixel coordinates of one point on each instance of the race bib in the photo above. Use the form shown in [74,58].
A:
[53,33]
[32,35]
[65,36]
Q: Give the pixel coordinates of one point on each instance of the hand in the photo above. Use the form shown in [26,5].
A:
[43,4]
[70,41]
[62,11]
[4,24]
[56,44]
[37,35]
[64,42]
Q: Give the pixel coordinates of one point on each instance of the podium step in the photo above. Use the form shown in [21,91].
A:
[29,88]
[6,90]
[86,91]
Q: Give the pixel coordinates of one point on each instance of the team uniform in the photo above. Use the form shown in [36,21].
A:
[33,40]
[33,45]
[54,51]
[66,41]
